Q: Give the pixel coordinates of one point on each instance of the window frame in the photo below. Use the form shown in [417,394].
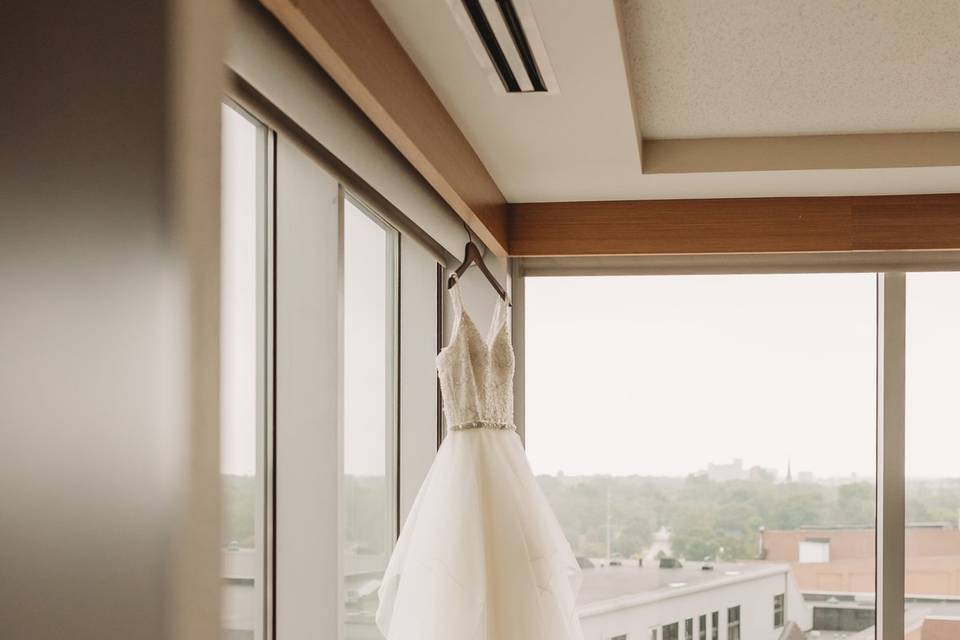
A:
[265,434]
[392,366]
[410,243]
[890,268]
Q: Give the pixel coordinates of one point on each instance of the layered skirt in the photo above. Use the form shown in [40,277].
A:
[481,555]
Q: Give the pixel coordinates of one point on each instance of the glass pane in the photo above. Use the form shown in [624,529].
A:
[671,631]
[242,556]
[369,500]
[932,578]
[708,442]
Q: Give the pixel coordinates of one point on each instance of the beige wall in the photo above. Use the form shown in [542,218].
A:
[109,254]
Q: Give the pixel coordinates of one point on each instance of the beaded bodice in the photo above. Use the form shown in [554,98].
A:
[476,373]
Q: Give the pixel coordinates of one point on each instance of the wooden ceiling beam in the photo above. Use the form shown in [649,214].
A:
[354,45]
[737,225]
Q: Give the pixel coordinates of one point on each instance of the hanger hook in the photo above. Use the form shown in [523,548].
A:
[466,228]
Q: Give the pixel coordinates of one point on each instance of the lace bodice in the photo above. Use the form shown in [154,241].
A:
[476,374]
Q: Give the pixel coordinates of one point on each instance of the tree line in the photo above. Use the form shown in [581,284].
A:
[708,519]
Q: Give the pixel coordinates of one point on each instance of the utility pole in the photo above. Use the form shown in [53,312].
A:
[608,524]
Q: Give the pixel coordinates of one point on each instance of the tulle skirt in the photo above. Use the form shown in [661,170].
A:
[481,555]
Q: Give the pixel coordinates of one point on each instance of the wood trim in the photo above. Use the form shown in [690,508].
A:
[736,225]
[785,153]
[353,44]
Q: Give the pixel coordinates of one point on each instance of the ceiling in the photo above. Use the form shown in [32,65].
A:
[698,70]
[748,68]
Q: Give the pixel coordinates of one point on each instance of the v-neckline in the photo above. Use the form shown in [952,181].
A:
[497,322]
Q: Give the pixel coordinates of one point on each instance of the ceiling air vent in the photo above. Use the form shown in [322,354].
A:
[506,41]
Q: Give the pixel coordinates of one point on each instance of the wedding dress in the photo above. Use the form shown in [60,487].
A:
[481,555]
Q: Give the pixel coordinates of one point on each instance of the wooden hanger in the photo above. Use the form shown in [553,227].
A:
[472,255]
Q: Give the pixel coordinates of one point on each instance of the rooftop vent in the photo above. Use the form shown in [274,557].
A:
[506,42]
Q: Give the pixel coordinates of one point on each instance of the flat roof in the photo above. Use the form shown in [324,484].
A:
[610,588]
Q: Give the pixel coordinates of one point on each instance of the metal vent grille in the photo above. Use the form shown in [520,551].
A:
[506,41]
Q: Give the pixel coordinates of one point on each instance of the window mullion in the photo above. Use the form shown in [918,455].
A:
[891,384]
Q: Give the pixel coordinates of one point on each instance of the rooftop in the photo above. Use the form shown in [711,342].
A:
[608,588]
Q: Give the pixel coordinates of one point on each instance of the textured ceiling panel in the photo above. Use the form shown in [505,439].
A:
[790,67]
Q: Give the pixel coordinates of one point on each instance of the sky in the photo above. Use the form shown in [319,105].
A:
[365,326]
[662,375]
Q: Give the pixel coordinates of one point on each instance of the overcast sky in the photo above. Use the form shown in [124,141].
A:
[661,375]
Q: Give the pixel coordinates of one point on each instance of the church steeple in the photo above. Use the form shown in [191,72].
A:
[789,474]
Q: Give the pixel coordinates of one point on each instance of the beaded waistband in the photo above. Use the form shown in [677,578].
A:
[483,424]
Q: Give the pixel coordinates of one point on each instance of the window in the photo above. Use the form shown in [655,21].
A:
[369,412]
[778,613]
[241,397]
[703,627]
[932,440]
[688,629]
[733,623]
[715,625]
[671,631]
[814,550]
[732,419]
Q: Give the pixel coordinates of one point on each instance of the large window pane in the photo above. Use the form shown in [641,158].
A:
[241,427]
[708,444]
[369,493]
[932,571]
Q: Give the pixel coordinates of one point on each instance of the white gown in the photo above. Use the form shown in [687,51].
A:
[481,555]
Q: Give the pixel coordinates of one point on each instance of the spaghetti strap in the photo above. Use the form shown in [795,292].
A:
[500,317]
[456,296]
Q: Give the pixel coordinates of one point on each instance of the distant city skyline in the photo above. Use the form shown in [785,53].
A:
[798,475]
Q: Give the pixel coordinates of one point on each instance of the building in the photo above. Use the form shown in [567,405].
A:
[727,472]
[736,471]
[835,571]
[727,601]
[842,559]
[239,593]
